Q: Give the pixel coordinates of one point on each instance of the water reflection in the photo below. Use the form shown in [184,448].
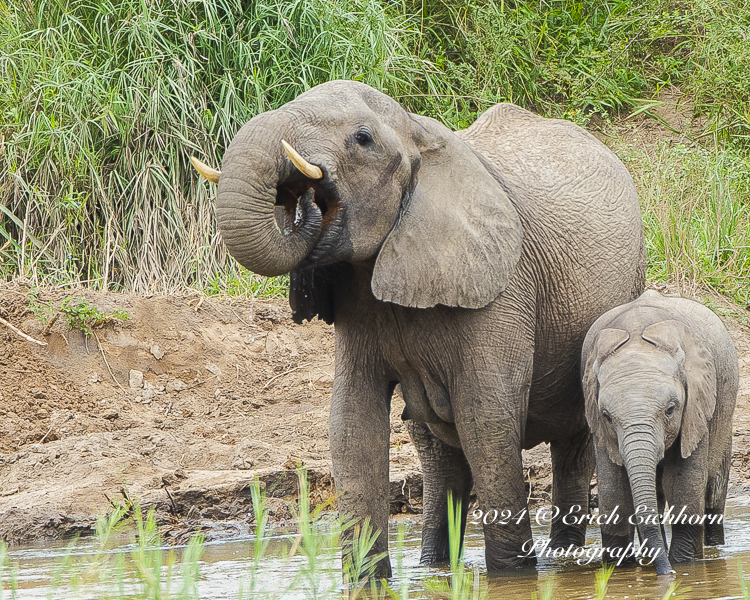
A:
[225,565]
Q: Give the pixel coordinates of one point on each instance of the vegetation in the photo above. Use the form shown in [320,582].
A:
[78,313]
[103,101]
[107,99]
[149,570]
[696,209]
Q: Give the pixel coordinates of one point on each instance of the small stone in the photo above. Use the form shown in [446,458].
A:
[158,354]
[110,414]
[176,386]
[136,379]
[212,368]
[94,378]
[173,478]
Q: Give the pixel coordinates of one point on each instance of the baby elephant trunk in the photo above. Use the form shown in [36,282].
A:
[640,458]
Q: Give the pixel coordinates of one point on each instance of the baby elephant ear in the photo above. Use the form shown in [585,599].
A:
[458,238]
[700,374]
[607,341]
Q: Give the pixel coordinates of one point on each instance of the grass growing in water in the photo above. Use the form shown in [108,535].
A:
[311,568]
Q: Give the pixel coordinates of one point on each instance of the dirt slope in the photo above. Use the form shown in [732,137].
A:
[230,390]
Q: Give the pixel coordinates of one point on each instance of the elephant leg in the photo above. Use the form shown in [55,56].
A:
[490,414]
[685,482]
[444,468]
[615,504]
[573,466]
[359,431]
[716,498]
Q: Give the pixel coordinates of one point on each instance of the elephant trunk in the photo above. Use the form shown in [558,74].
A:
[640,456]
[265,208]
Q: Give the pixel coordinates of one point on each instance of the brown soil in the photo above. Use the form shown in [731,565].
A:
[231,390]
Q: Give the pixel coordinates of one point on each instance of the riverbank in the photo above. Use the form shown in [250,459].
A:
[184,403]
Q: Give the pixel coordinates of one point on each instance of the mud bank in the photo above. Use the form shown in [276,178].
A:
[181,406]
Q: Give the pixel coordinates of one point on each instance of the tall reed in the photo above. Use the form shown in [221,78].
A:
[106,100]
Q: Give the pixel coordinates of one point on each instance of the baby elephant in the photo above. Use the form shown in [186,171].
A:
[660,378]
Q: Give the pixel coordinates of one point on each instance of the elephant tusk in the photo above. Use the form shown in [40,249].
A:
[207,172]
[307,169]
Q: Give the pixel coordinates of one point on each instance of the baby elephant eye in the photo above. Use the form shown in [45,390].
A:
[363,138]
[670,410]
[607,416]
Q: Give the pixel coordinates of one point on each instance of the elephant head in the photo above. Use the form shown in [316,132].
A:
[644,390]
[344,174]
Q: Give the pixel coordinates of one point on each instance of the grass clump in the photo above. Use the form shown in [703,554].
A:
[106,100]
[237,281]
[575,59]
[148,571]
[78,313]
[697,217]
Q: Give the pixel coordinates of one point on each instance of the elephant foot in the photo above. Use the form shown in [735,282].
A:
[687,543]
[714,533]
[506,557]
[567,536]
[432,557]
[510,565]
[383,570]
[683,556]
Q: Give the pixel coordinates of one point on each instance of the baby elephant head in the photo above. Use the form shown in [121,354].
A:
[644,390]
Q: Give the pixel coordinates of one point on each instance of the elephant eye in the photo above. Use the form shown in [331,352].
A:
[607,416]
[670,410]
[363,138]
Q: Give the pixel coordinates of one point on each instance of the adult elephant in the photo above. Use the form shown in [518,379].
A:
[465,266]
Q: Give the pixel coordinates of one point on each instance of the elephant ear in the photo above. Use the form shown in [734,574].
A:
[458,237]
[607,342]
[700,377]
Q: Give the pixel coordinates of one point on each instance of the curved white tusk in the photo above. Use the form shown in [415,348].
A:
[305,167]
[204,170]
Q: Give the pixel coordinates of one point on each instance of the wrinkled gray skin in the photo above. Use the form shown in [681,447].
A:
[466,267]
[660,379]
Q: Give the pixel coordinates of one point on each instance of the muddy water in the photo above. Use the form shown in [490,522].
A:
[225,566]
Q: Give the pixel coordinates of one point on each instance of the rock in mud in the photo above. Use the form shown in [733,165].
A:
[136,379]
[176,386]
